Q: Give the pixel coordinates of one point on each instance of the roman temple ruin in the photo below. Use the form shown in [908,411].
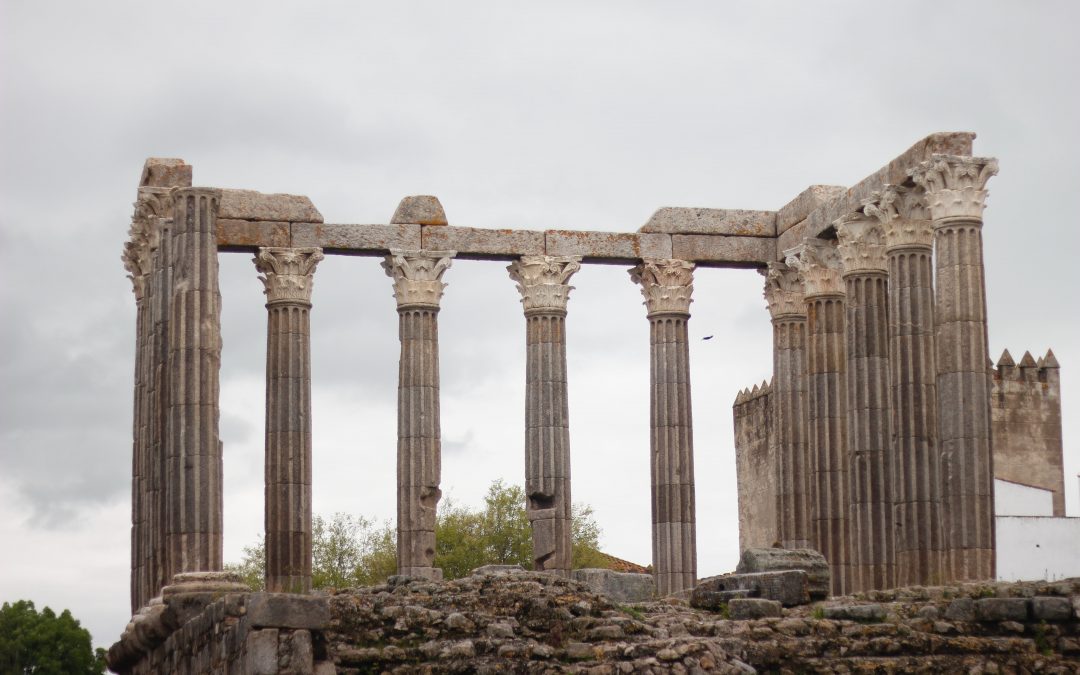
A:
[872,444]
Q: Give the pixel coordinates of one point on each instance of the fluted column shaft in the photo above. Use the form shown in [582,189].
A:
[955,195]
[819,268]
[287,278]
[418,289]
[193,449]
[140,584]
[784,295]
[159,293]
[869,442]
[917,489]
[667,286]
[542,283]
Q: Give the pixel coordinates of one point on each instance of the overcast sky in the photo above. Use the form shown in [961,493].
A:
[533,115]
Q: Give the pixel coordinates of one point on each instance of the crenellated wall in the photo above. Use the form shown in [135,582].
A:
[755,467]
[1026,418]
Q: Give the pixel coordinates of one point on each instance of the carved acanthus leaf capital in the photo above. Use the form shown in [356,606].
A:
[783,291]
[541,280]
[818,264]
[862,244]
[151,207]
[417,276]
[904,216]
[955,185]
[667,285]
[287,273]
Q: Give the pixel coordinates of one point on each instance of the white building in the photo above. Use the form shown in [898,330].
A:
[1031,542]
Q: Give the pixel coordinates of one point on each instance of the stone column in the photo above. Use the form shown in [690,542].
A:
[192,447]
[818,264]
[784,295]
[418,288]
[137,259]
[956,198]
[909,241]
[869,441]
[667,286]
[542,281]
[287,277]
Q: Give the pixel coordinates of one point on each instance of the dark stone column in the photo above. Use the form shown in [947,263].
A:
[667,286]
[287,277]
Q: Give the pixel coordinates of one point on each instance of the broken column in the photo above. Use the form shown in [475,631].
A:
[784,295]
[287,278]
[418,288]
[667,286]
[909,242]
[956,196]
[818,264]
[193,487]
[542,281]
[869,463]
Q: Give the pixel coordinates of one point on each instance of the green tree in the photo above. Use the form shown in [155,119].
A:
[354,551]
[44,643]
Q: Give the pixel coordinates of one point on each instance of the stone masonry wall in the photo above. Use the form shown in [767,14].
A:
[1026,417]
[755,468]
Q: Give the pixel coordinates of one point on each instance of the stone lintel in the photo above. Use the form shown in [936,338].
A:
[481,242]
[741,222]
[357,239]
[608,247]
[252,205]
[715,250]
[249,235]
[893,173]
[807,202]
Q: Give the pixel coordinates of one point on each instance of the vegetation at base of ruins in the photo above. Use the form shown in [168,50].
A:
[632,611]
[350,550]
[1042,642]
[985,592]
[818,613]
[44,643]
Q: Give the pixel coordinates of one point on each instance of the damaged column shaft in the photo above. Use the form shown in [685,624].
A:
[542,281]
[667,286]
[193,489]
[418,288]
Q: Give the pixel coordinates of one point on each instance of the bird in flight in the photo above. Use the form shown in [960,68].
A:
[707,337]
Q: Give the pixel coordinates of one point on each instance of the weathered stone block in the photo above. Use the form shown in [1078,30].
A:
[609,245]
[287,610]
[862,613]
[619,586]
[701,598]
[961,609]
[497,569]
[706,249]
[357,237]
[251,205]
[165,172]
[742,222]
[251,234]
[420,210]
[1051,608]
[478,242]
[789,587]
[1001,609]
[753,608]
[810,199]
[261,650]
[776,559]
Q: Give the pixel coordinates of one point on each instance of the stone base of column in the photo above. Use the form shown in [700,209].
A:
[191,592]
[551,537]
[433,573]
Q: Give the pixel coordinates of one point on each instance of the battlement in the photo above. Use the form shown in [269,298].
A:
[753,393]
[1045,369]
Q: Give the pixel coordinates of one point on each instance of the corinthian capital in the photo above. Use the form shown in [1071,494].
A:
[904,217]
[541,279]
[287,273]
[417,276]
[862,244]
[818,264]
[955,186]
[152,206]
[783,291]
[666,284]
